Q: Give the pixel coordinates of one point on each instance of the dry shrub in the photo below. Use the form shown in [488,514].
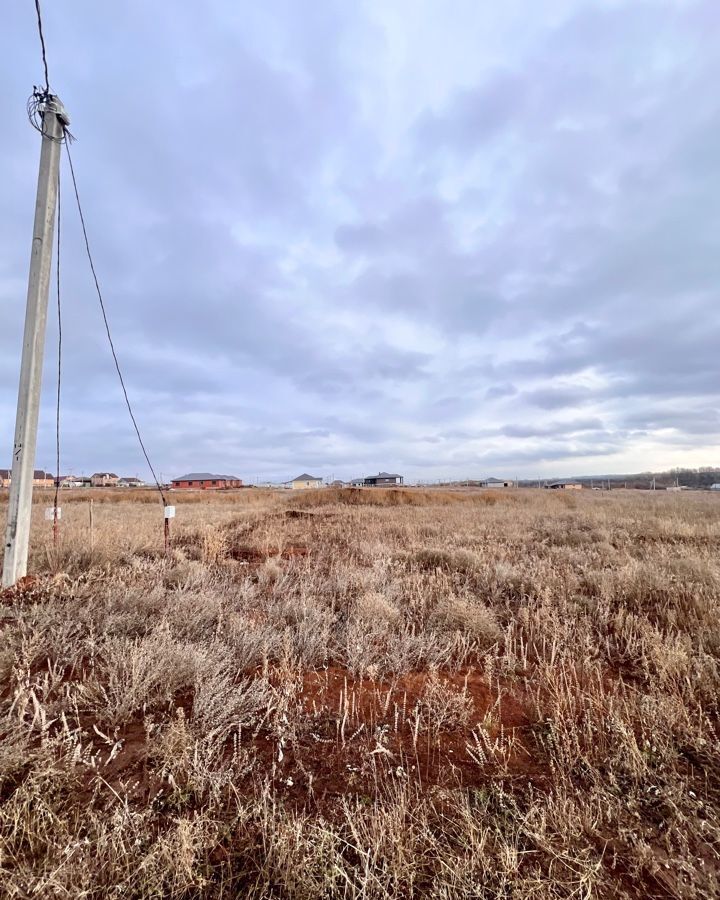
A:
[472,617]
[135,675]
[214,547]
[222,701]
[271,571]
[442,706]
[185,574]
[374,606]
[463,561]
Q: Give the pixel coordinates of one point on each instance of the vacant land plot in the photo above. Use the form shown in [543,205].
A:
[376,694]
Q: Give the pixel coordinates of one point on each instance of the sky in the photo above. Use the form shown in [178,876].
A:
[449,240]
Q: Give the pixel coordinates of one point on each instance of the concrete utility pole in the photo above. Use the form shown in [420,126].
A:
[17,534]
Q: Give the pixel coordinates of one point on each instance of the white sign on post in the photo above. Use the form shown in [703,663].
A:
[169,512]
[50,513]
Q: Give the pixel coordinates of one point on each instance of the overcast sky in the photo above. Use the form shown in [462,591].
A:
[439,238]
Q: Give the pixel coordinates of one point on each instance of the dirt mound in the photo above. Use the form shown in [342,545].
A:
[393,497]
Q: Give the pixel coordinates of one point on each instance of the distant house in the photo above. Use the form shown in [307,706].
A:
[205,481]
[41,478]
[715,487]
[337,483]
[496,483]
[382,479]
[104,479]
[74,481]
[304,482]
[564,486]
[130,482]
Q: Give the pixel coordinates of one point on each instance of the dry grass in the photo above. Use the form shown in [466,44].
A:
[365,694]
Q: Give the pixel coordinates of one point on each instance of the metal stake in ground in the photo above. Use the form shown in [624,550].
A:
[17,534]
[169,514]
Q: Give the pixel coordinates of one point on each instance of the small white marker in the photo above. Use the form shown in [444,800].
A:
[50,513]
[169,512]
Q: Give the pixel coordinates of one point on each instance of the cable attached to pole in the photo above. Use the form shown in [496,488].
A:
[42,46]
[59,374]
[107,326]
[42,102]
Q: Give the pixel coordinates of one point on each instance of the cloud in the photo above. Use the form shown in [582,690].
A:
[498,391]
[366,236]
[567,428]
[476,115]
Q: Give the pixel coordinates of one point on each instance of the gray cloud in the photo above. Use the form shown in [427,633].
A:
[572,427]
[318,252]
[500,390]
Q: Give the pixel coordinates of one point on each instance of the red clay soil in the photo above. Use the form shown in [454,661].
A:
[361,731]
[254,556]
[350,736]
[249,555]
[25,585]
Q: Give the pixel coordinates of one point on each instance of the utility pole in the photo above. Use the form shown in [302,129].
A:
[17,534]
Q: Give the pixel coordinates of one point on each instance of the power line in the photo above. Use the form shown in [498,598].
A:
[41,100]
[42,46]
[37,105]
[59,369]
[107,325]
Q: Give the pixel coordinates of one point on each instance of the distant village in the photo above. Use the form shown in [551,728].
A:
[211,481]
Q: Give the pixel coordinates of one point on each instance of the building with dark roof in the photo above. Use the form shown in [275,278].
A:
[382,479]
[205,481]
[41,478]
[305,481]
[496,483]
[75,481]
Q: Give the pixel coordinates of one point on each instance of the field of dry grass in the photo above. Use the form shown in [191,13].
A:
[384,694]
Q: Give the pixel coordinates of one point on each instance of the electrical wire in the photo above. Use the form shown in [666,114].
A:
[42,46]
[59,367]
[107,326]
[42,100]
[38,106]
